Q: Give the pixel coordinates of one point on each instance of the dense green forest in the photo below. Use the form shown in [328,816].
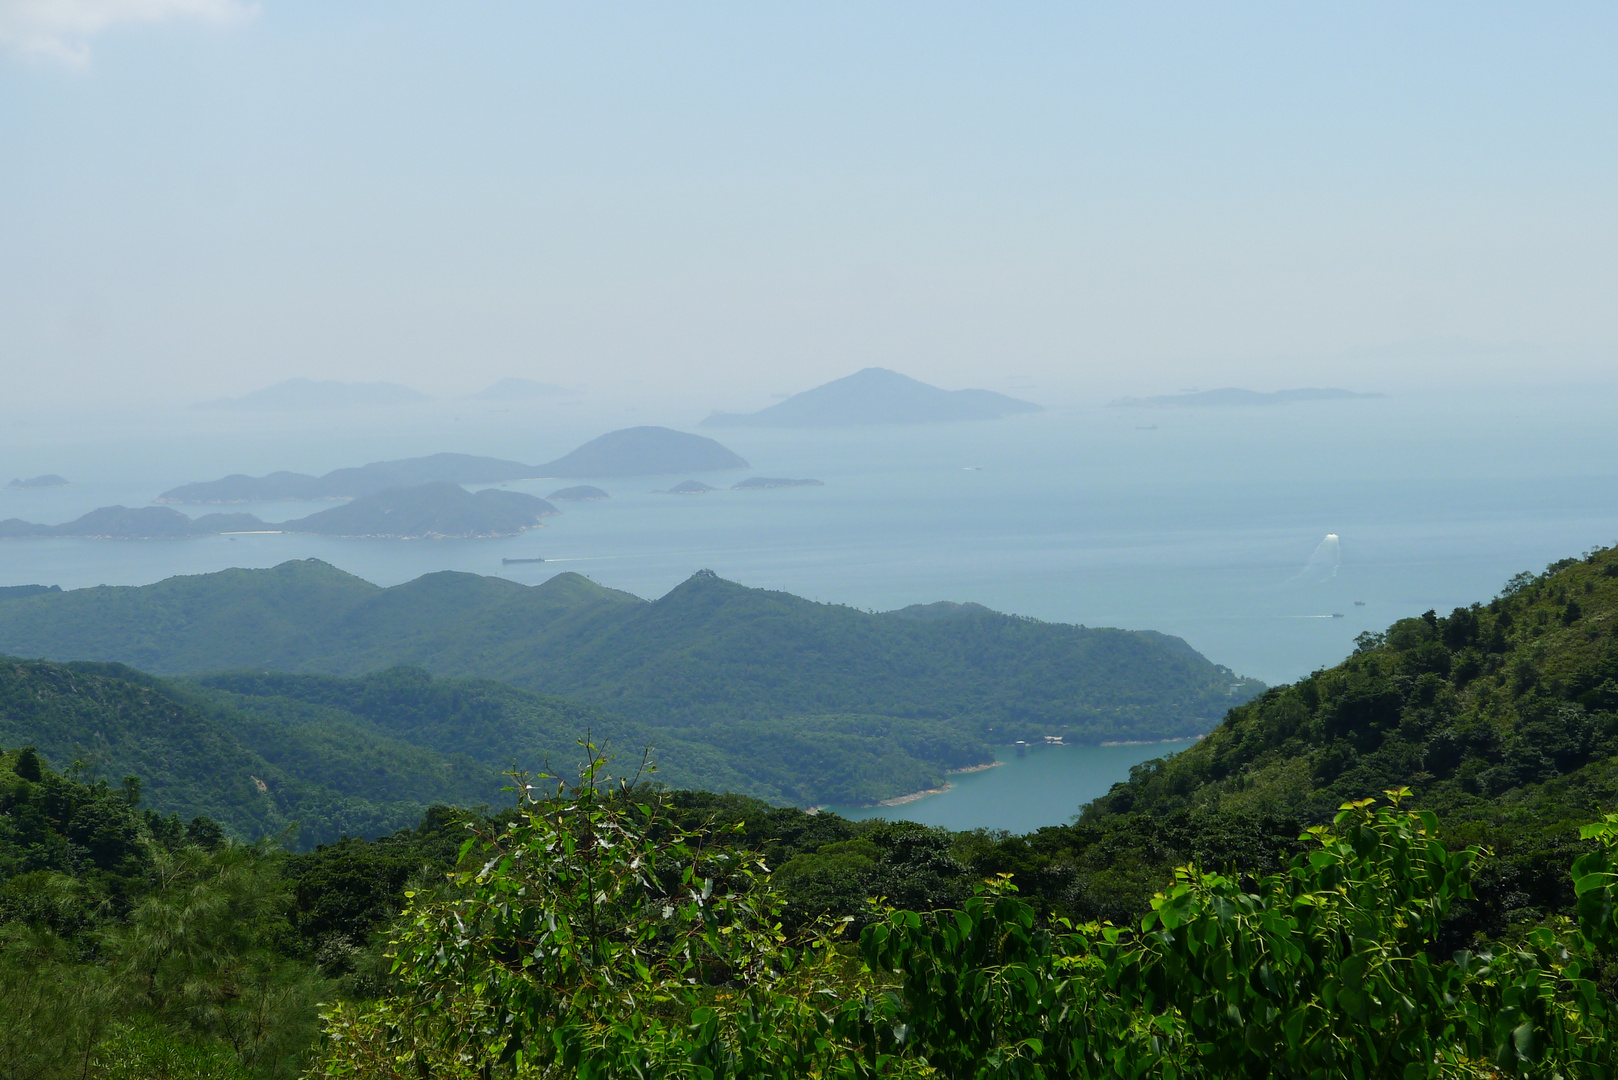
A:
[709,651]
[609,932]
[264,752]
[593,934]
[107,721]
[799,760]
[1468,929]
[1502,717]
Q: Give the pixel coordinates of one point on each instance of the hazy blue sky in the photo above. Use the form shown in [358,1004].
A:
[200,197]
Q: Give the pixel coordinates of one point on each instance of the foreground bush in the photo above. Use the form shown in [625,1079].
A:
[1324,971]
[135,946]
[592,938]
[595,937]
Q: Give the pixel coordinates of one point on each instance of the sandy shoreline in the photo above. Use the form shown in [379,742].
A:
[900,800]
[1145,742]
[914,796]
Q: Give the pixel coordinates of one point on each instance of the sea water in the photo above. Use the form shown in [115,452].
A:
[998,797]
[1266,537]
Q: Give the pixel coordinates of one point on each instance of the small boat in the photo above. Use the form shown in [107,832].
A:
[1359,603]
[1338,615]
[508,562]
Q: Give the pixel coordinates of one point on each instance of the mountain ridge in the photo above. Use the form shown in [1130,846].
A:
[709,650]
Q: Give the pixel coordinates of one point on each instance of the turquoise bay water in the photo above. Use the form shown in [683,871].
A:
[1023,793]
[1210,524]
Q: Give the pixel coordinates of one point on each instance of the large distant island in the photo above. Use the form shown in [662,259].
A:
[876,396]
[432,511]
[1231,395]
[436,511]
[48,480]
[637,451]
[643,451]
[135,523]
[295,395]
[580,493]
[355,482]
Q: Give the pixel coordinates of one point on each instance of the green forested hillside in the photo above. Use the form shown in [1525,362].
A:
[1500,716]
[709,651]
[1495,703]
[260,751]
[257,775]
[137,946]
[801,760]
[1338,966]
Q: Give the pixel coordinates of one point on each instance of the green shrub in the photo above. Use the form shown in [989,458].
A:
[594,939]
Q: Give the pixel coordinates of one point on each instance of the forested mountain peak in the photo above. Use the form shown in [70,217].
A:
[299,575]
[942,609]
[704,587]
[577,588]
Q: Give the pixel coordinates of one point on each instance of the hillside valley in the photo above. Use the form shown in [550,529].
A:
[262,752]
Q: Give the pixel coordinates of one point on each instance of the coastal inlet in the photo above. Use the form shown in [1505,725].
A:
[1046,785]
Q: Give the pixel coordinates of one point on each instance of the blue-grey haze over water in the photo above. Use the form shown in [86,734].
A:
[1210,524]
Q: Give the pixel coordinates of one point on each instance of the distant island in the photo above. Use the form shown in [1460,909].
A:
[355,482]
[435,511]
[643,451]
[296,395]
[754,483]
[519,390]
[139,523]
[581,493]
[876,396]
[46,481]
[1231,395]
[17,592]
[687,487]
[638,451]
[432,511]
